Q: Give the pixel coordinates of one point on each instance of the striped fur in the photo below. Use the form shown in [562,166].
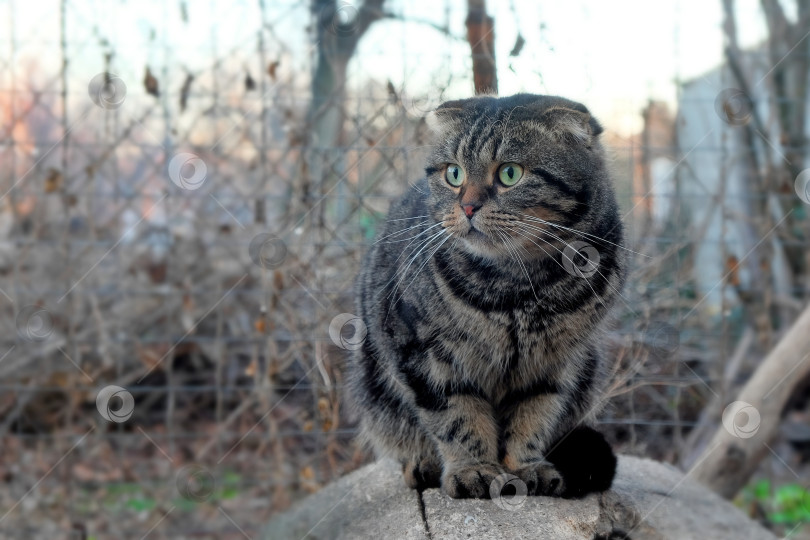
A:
[483,351]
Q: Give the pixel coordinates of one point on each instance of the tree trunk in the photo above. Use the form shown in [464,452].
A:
[481,36]
[738,446]
[340,26]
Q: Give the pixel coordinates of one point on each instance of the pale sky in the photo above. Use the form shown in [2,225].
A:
[611,55]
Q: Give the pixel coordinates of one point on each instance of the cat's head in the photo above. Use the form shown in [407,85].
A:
[502,169]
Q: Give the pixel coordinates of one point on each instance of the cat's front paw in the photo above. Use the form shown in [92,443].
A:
[422,473]
[471,481]
[542,479]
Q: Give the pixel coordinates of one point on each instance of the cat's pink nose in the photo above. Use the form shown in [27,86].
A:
[469,209]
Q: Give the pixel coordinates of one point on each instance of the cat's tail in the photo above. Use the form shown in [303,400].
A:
[585,460]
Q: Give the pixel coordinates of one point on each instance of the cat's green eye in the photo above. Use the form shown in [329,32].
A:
[454,175]
[510,173]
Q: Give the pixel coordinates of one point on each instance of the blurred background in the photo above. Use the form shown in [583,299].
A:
[187,188]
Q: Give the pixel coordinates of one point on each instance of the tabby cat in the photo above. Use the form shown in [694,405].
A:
[485,297]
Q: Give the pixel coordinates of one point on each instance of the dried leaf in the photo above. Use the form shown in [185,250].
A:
[185,90]
[260,325]
[150,355]
[392,92]
[732,269]
[271,69]
[250,83]
[250,370]
[150,83]
[518,46]
[53,181]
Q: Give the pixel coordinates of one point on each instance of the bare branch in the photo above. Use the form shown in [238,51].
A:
[732,458]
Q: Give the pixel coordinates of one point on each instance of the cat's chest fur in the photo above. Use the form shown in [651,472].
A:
[497,340]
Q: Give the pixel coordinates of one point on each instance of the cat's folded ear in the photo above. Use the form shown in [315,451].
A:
[445,118]
[565,123]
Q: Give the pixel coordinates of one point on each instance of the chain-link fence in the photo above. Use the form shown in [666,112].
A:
[183,211]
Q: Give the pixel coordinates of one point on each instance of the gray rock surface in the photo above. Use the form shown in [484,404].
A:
[372,502]
[649,500]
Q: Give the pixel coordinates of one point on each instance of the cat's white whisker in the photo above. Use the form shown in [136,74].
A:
[521,233]
[558,263]
[582,233]
[405,249]
[413,258]
[607,280]
[427,260]
[406,218]
[406,230]
[516,256]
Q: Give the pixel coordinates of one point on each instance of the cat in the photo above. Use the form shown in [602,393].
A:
[485,298]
